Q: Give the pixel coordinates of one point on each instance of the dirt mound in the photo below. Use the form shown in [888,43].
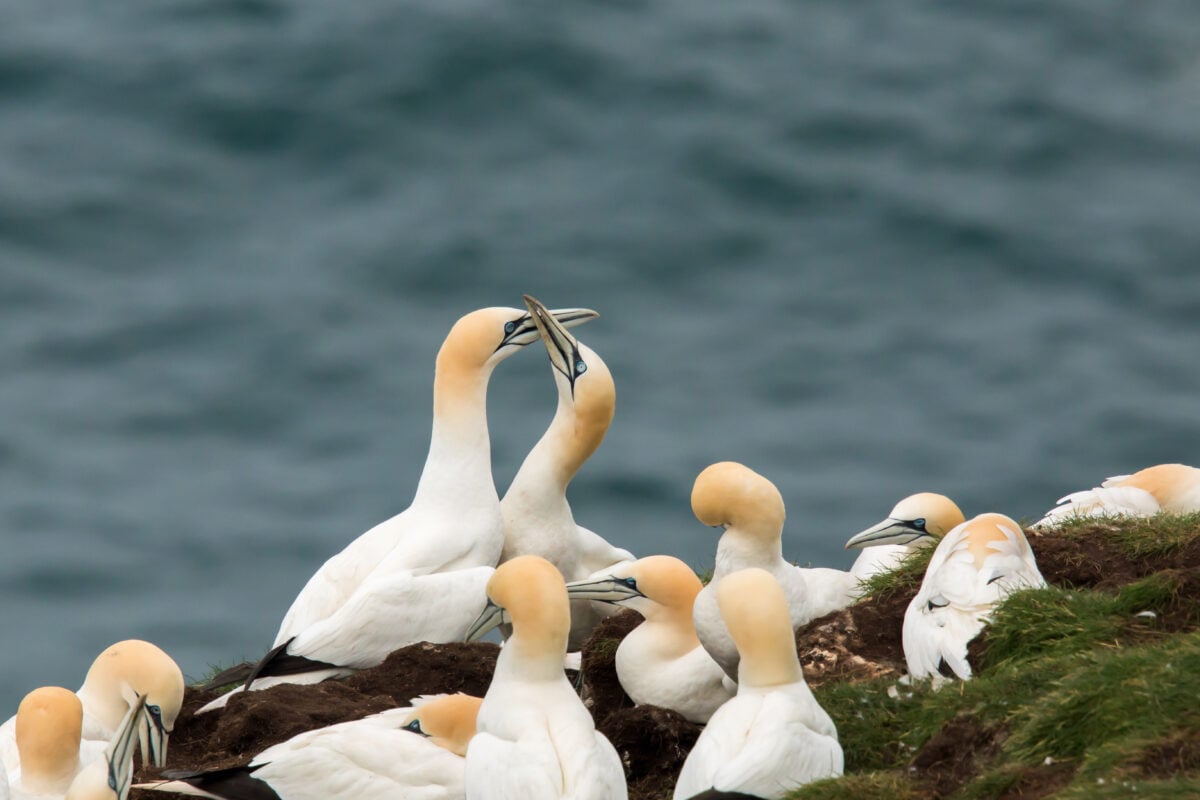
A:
[955,753]
[253,721]
[602,692]
[653,744]
[855,644]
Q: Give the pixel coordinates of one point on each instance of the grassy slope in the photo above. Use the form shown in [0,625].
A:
[1078,692]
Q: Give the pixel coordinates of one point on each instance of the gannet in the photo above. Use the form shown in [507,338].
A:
[750,509]
[121,673]
[1170,488]
[537,516]
[661,662]
[414,752]
[536,741]
[773,736]
[973,568]
[55,762]
[917,521]
[109,778]
[420,575]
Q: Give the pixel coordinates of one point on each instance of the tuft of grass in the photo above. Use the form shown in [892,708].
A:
[905,578]
[868,786]
[1138,537]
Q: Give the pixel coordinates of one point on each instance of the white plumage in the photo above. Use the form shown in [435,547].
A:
[975,566]
[1171,488]
[751,511]
[537,517]
[380,757]
[773,736]
[661,662]
[536,741]
[419,575]
[117,677]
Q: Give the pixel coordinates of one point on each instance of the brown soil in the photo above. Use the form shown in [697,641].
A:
[1034,783]
[1175,756]
[956,753]
[858,643]
[253,721]
[653,744]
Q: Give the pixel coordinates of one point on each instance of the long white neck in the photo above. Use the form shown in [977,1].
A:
[459,464]
[553,461]
[741,550]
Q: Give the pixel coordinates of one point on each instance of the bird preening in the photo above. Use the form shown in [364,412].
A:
[463,561]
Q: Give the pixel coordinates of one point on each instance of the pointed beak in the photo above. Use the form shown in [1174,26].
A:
[562,347]
[890,531]
[606,590]
[493,616]
[525,331]
[152,737]
[120,749]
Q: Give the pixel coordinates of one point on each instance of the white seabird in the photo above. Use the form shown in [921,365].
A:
[750,509]
[118,676]
[661,661]
[773,736]
[536,740]
[537,517]
[109,778]
[55,762]
[1170,488]
[414,752]
[973,568]
[917,521]
[420,575]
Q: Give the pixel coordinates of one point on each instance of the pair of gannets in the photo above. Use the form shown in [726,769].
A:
[1169,488]
[773,736]
[419,576]
[974,566]
[55,762]
[661,662]
[535,740]
[751,511]
[120,675]
[537,517]
[413,752]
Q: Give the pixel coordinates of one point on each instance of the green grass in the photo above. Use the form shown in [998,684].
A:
[1074,685]
[1155,536]
[905,578]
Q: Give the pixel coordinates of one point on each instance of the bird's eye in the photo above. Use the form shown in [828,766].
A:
[919,524]
[510,326]
[415,727]
[580,367]
[630,582]
[155,710]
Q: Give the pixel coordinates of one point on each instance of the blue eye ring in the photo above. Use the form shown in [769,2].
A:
[919,524]
[630,582]
[580,367]
[415,727]
[510,326]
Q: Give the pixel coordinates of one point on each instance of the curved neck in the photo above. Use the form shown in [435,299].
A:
[671,631]
[460,456]
[533,656]
[740,550]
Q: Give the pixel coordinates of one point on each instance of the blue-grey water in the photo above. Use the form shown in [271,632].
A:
[866,248]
